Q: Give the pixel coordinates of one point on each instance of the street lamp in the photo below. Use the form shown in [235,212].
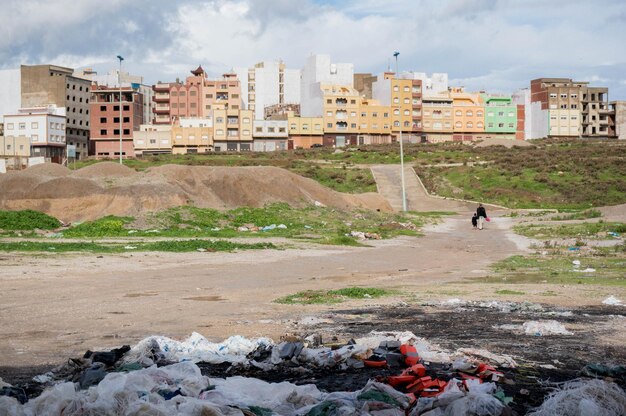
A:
[119,82]
[395,54]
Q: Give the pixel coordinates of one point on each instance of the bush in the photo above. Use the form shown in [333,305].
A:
[27,220]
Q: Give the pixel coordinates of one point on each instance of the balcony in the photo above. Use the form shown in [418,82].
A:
[161,109]
[161,119]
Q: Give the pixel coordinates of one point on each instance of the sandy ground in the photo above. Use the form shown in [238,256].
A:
[53,307]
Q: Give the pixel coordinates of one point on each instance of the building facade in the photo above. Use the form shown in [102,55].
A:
[44,85]
[45,129]
[404,96]
[319,71]
[193,135]
[232,130]
[152,139]
[267,84]
[468,115]
[500,115]
[10,91]
[270,135]
[105,120]
[341,109]
[375,123]
[617,120]
[437,118]
[558,109]
[305,132]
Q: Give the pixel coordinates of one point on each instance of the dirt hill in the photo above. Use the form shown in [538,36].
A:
[110,189]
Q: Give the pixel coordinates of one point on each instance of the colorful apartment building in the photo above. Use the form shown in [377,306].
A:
[232,130]
[404,96]
[501,115]
[374,123]
[152,139]
[341,108]
[305,132]
[105,120]
[437,118]
[196,97]
[468,115]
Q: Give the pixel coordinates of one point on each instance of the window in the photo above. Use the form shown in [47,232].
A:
[318,127]
[152,141]
[126,108]
[329,101]
[259,129]
[406,101]
[175,105]
[305,127]
[329,125]
[396,100]
[116,132]
[246,120]
[352,101]
[374,114]
[458,124]
[479,125]
[182,93]
[126,131]
[563,95]
[500,125]
[116,108]
[386,115]
[406,89]
[353,114]
[192,93]
[271,130]
[396,88]
[208,107]
[219,120]
[329,113]
[564,106]
[458,113]
[511,114]
[469,125]
[501,114]
[281,130]
[353,125]
[511,125]
[396,112]
[479,113]
[22,126]
[246,132]
[235,107]
[553,95]
[34,125]
[407,112]
[192,105]
[9,126]
[574,106]
[235,95]
[574,96]
[103,132]
[219,132]
[103,119]
[204,137]
[116,119]
[293,126]
[35,137]
[490,125]
[192,137]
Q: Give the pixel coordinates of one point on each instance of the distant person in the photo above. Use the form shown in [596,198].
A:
[475,221]
[482,215]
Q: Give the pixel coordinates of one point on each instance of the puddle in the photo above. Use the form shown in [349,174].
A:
[213,298]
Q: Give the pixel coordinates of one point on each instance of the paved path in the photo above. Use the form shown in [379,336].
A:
[388,180]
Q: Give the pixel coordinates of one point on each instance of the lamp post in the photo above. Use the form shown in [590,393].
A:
[119,82]
[395,54]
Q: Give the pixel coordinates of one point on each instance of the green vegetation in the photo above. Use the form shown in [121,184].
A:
[340,179]
[509,292]
[109,226]
[93,247]
[311,297]
[557,268]
[27,220]
[580,215]
[580,230]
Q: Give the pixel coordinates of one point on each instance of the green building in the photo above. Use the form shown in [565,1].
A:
[500,114]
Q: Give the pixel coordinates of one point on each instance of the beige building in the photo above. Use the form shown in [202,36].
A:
[374,123]
[232,130]
[152,140]
[617,120]
[404,96]
[44,85]
[341,108]
[192,138]
[438,118]
[305,132]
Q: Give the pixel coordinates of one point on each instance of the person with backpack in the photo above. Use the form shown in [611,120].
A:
[475,221]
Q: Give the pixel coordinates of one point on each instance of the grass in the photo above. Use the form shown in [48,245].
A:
[164,246]
[340,179]
[27,220]
[321,297]
[557,268]
[580,215]
[582,230]
[315,224]
[509,292]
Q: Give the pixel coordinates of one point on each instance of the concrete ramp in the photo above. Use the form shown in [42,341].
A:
[389,183]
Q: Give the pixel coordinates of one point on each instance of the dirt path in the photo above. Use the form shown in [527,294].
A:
[52,307]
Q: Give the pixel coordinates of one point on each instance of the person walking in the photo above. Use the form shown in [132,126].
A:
[482,215]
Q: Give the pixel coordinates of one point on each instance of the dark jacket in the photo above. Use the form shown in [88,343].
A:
[481,212]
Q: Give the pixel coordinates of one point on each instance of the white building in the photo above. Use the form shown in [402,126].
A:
[152,139]
[270,135]
[111,80]
[319,70]
[431,85]
[522,97]
[266,84]
[45,128]
[10,91]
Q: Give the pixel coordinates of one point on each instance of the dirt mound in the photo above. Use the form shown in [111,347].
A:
[104,170]
[48,169]
[83,196]
[508,143]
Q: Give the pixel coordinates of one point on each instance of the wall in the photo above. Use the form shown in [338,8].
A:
[10,97]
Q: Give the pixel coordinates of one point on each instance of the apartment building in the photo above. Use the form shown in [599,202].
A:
[152,139]
[437,118]
[318,70]
[432,86]
[10,91]
[558,112]
[44,85]
[192,135]
[196,97]
[44,127]
[375,123]
[404,96]
[232,130]
[501,115]
[468,115]
[14,147]
[113,79]
[270,135]
[105,119]
[521,99]
[595,112]
[617,120]
[341,108]
[305,132]
[268,84]
[363,83]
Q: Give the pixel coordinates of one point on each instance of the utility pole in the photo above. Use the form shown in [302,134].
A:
[397,77]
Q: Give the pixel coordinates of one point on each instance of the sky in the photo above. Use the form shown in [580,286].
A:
[492,45]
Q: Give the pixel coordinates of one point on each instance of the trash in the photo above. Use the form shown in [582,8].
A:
[599,370]
[613,234]
[243,229]
[364,236]
[542,328]
[576,263]
[318,204]
[281,226]
[612,300]
[587,270]
[584,398]
[130,247]
[495,359]
[268,227]
[573,248]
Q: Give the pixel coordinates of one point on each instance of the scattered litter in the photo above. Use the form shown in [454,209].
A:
[599,370]
[318,204]
[576,263]
[364,236]
[542,328]
[130,247]
[132,231]
[587,270]
[613,234]
[153,231]
[584,398]
[612,300]
[281,226]
[573,248]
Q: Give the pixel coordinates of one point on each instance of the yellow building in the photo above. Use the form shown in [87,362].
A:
[469,115]
[341,107]
[375,123]
[152,140]
[404,96]
[192,136]
[304,132]
[437,118]
[232,130]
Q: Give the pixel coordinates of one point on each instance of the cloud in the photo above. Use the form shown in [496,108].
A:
[483,44]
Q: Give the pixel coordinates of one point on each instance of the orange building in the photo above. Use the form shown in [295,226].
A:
[468,115]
